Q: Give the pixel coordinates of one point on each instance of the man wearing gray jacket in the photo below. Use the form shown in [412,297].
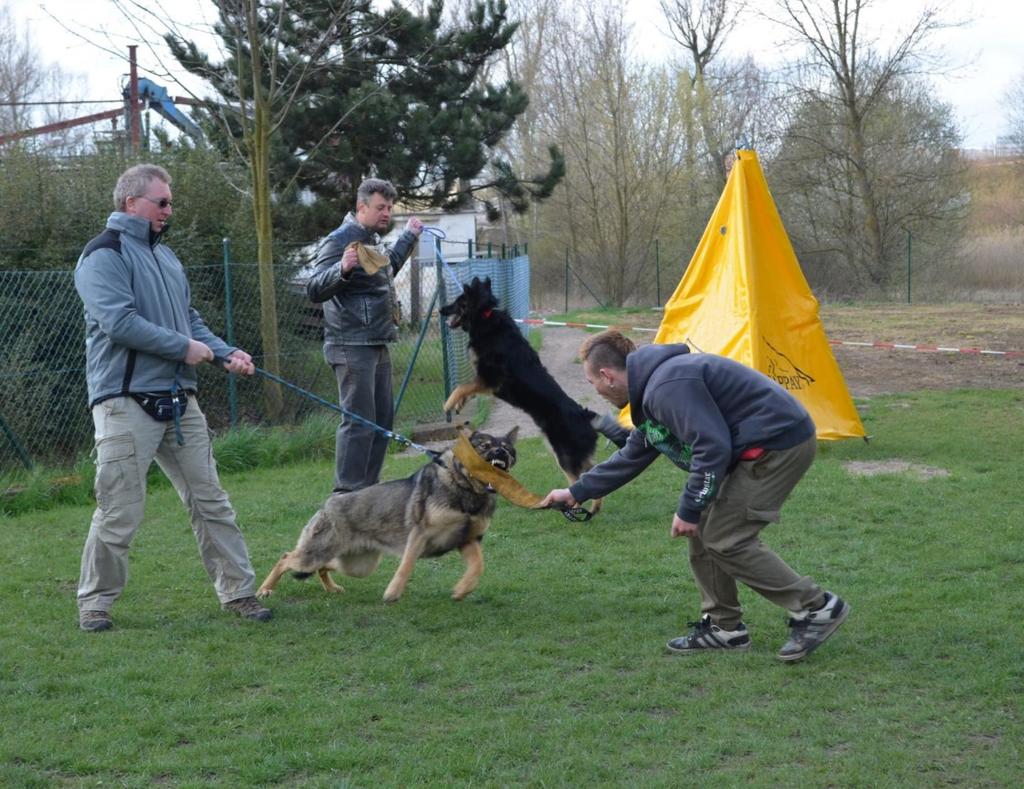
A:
[142,342]
[360,320]
[745,442]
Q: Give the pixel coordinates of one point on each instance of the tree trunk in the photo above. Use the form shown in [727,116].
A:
[877,269]
[259,162]
[711,141]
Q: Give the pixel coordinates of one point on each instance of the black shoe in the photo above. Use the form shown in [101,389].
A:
[95,621]
[808,630]
[706,635]
[248,608]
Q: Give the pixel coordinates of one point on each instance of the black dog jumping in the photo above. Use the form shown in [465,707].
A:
[508,367]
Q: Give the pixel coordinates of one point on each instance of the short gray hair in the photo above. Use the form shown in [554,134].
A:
[375,186]
[135,181]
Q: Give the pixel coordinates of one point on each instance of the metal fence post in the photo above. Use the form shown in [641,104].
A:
[469,249]
[19,450]
[908,265]
[230,321]
[657,270]
[442,299]
[416,353]
[567,279]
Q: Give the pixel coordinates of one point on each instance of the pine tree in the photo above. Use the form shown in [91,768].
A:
[392,94]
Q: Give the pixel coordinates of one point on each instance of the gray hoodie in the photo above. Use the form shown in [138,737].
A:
[138,317]
[701,411]
[358,307]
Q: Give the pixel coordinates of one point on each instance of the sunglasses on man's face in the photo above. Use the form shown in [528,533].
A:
[163,202]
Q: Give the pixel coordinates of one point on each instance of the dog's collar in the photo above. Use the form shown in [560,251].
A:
[486,314]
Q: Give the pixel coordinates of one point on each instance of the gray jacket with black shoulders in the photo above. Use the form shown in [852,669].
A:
[138,315]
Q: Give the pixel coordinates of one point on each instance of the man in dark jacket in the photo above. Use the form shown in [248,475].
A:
[143,341]
[360,320]
[745,442]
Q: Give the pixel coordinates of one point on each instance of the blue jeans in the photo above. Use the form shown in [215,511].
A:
[363,373]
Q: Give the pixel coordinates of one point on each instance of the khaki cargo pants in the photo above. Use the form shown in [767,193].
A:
[728,547]
[127,442]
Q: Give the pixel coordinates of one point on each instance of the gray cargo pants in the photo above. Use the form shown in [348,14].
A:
[363,373]
[127,442]
[728,547]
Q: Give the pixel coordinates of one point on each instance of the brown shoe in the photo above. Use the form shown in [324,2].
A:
[248,608]
[95,621]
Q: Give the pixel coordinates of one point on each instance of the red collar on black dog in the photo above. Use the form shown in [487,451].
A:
[486,314]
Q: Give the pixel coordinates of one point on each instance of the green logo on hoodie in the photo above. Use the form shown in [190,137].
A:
[659,437]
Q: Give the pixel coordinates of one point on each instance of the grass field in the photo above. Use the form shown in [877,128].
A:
[554,672]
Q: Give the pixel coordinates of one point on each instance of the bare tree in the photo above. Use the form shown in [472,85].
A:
[848,74]
[528,61]
[618,122]
[21,74]
[1015,113]
[701,27]
[32,91]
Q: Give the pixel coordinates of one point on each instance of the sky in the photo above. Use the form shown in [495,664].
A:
[987,51]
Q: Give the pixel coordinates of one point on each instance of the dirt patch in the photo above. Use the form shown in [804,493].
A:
[871,371]
[874,468]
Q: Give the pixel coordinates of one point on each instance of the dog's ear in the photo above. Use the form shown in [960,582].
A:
[512,435]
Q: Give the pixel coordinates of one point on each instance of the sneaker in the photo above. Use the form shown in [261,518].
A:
[707,635]
[95,621]
[809,629]
[248,608]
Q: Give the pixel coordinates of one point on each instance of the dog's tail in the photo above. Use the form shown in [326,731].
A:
[607,426]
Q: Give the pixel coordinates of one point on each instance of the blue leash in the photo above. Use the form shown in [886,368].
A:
[578,514]
[405,442]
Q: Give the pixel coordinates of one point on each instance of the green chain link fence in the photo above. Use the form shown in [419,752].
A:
[44,418]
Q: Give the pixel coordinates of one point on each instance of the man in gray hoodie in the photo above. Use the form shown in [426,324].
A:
[360,320]
[143,340]
[745,442]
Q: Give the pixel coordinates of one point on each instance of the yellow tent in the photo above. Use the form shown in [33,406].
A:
[744,296]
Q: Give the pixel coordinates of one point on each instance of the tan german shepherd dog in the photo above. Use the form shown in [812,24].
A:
[434,511]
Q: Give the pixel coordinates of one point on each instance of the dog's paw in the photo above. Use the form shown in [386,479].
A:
[262,593]
[461,592]
[392,595]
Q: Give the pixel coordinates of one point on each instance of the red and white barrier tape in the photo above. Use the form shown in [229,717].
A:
[896,346]
[542,322]
[889,346]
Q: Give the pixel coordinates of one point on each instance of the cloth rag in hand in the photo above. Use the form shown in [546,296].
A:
[370,259]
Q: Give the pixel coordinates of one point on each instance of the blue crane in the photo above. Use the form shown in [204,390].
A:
[157,98]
